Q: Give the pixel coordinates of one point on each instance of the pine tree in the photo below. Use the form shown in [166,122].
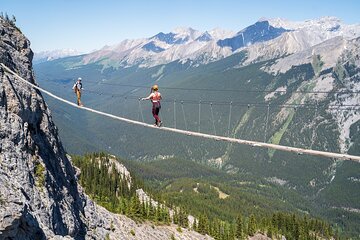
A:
[203,225]
[213,229]
[239,227]
[176,216]
[135,207]
[296,231]
[262,225]
[143,210]
[183,219]
[291,225]
[327,231]
[195,225]
[270,231]
[152,211]
[157,213]
[232,231]
[166,215]
[274,221]
[252,225]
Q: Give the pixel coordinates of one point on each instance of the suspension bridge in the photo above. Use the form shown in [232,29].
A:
[192,133]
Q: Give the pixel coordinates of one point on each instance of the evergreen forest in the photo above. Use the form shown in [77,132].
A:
[116,191]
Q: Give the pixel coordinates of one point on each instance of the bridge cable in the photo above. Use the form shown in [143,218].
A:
[212,118]
[175,113]
[267,120]
[141,112]
[230,110]
[182,108]
[225,90]
[313,135]
[199,114]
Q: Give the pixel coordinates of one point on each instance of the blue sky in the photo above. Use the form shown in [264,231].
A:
[86,25]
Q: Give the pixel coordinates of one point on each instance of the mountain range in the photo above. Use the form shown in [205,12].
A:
[187,44]
[44,56]
[282,82]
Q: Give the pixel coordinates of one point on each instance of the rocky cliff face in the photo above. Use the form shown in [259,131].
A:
[39,194]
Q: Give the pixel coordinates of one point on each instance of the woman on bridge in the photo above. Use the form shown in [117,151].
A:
[155,98]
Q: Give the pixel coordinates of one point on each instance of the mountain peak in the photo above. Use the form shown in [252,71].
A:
[179,35]
[183,30]
[205,37]
[219,33]
[263,19]
[186,32]
[259,32]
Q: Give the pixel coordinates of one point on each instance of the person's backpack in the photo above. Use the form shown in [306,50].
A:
[78,86]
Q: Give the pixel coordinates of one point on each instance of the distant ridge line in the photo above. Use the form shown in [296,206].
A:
[197,134]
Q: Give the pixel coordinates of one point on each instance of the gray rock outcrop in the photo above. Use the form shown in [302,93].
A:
[39,194]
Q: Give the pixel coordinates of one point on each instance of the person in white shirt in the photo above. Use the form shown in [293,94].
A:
[78,89]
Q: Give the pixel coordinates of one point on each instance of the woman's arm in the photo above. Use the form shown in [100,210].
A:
[149,97]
